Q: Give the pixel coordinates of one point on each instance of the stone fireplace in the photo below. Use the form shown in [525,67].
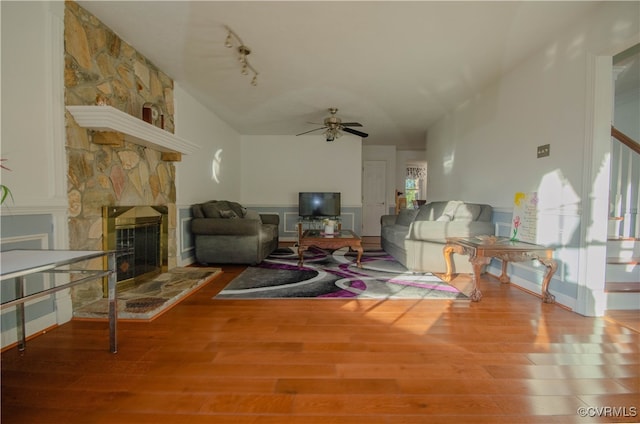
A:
[139,236]
[102,69]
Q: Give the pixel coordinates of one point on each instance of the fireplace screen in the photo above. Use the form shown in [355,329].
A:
[138,234]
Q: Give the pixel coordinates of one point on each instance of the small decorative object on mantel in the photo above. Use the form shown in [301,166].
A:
[151,114]
[102,100]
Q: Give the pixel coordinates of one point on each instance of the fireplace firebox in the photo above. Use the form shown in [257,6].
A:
[139,235]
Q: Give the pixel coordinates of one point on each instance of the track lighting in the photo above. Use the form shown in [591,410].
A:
[243,52]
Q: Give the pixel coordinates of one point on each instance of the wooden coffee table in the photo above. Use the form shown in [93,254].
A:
[338,240]
[482,249]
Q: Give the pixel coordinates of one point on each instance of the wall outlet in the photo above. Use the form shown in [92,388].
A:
[544,151]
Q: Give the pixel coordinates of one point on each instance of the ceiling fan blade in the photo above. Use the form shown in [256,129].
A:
[306,132]
[355,132]
[352,124]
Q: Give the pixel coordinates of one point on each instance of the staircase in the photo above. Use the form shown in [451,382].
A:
[622,284]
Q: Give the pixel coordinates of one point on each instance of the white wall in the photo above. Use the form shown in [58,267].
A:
[627,109]
[195,182]
[33,105]
[276,168]
[485,150]
[543,101]
[32,142]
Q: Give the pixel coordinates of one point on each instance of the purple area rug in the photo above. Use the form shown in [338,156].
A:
[328,274]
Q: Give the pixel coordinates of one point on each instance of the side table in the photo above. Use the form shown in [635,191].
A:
[481,249]
[17,264]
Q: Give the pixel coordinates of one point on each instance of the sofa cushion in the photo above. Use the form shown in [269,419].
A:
[225,205]
[406,217]
[452,210]
[251,214]
[268,232]
[486,213]
[439,231]
[211,210]
[214,208]
[395,234]
[431,211]
[466,212]
[196,211]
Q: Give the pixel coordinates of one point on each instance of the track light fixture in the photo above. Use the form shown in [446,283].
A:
[243,51]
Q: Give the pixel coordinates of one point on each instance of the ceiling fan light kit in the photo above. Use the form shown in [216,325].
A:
[243,51]
[334,126]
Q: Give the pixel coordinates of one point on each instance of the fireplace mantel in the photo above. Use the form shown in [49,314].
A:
[111,120]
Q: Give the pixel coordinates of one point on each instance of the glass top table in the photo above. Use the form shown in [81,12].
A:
[336,240]
[481,249]
[18,264]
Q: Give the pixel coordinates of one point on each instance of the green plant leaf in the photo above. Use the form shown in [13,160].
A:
[4,192]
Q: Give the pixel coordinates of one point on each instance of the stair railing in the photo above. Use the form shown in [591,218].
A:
[624,190]
[625,139]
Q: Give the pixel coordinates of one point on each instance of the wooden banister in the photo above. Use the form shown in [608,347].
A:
[625,139]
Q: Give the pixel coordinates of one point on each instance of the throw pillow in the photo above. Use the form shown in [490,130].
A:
[229,214]
[211,210]
[449,210]
[228,205]
[467,212]
[196,210]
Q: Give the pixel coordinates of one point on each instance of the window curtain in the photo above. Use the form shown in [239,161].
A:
[416,172]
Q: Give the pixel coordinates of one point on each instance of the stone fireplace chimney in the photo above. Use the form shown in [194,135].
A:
[100,68]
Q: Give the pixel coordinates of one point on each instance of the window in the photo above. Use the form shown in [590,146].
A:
[414,183]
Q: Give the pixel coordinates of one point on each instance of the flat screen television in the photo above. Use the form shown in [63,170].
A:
[318,204]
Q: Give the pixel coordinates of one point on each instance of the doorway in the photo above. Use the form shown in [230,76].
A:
[374,202]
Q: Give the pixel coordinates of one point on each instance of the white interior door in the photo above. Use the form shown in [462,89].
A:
[374,201]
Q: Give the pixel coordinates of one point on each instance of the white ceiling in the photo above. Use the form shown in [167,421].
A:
[393,66]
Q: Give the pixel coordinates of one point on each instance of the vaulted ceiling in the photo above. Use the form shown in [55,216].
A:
[393,66]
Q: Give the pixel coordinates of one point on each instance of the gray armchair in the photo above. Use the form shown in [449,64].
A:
[227,233]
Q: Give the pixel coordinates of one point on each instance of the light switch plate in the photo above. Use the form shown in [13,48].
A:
[544,150]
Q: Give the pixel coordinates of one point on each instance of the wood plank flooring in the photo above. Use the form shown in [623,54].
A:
[507,359]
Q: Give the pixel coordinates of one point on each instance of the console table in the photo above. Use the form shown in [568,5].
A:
[18,264]
[481,249]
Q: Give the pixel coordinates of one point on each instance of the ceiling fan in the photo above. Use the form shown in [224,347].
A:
[334,126]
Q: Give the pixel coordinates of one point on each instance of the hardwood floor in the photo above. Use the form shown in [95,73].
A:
[507,359]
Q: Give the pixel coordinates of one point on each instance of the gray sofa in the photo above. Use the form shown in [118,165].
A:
[227,233]
[416,237]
